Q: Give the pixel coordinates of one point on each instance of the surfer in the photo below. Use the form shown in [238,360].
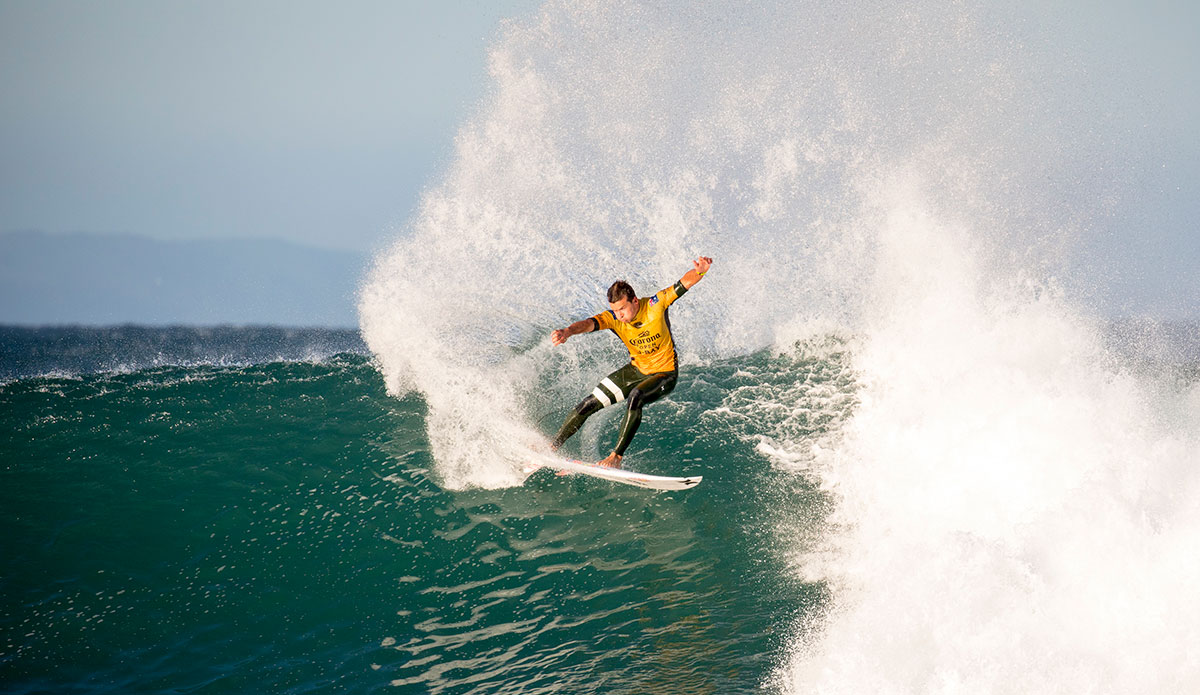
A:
[645,329]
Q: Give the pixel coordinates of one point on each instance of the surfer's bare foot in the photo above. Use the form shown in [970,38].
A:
[612,461]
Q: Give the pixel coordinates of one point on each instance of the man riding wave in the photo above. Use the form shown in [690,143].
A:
[643,325]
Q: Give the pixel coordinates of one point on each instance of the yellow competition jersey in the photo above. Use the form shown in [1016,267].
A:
[648,336]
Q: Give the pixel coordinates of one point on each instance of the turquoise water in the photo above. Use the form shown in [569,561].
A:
[279,527]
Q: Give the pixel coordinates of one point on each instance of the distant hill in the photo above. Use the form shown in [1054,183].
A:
[94,279]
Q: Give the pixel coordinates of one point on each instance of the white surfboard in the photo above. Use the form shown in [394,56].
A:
[617,475]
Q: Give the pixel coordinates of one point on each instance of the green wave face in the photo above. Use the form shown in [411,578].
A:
[281,527]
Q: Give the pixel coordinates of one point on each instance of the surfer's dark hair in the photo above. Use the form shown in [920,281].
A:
[620,290]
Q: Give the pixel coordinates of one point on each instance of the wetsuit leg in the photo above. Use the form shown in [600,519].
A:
[644,393]
[611,389]
[586,408]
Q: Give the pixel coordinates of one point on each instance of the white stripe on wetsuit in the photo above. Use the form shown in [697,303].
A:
[603,396]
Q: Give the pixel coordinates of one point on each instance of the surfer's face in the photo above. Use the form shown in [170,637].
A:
[625,309]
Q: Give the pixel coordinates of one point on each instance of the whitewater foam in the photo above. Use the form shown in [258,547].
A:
[1016,514]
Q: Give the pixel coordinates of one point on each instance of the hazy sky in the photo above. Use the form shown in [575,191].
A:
[311,121]
[319,122]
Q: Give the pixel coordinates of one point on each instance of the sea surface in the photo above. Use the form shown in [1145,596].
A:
[247,510]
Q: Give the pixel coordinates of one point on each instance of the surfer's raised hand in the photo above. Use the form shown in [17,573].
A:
[559,336]
[700,266]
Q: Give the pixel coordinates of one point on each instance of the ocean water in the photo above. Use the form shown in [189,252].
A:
[280,526]
[932,463]
[254,512]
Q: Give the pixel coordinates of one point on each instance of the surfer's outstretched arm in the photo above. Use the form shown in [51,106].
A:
[560,336]
[700,266]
